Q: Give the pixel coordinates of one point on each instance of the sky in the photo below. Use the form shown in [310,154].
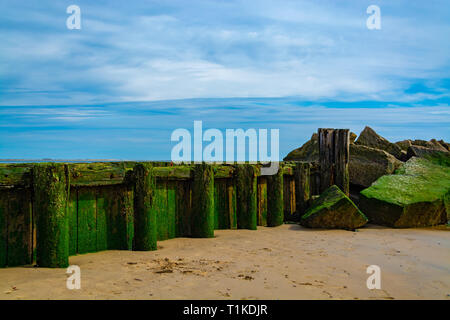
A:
[136,71]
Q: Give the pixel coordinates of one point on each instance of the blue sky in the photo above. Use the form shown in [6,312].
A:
[136,71]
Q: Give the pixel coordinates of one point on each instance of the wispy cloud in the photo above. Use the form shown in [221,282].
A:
[168,50]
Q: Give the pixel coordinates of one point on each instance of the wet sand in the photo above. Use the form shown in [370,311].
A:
[287,262]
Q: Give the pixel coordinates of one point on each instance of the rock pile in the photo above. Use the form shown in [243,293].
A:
[408,182]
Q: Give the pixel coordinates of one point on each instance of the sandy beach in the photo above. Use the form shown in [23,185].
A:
[287,262]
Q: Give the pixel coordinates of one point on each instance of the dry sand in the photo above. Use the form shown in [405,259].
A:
[287,262]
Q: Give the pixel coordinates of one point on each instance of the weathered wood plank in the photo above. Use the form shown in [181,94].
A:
[221,204]
[101,206]
[246,189]
[341,159]
[97,174]
[73,222]
[275,192]
[15,175]
[184,208]
[262,201]
[20,228]
[171,209]
[160,206]
[333,158]
[3,228]
[231,187]
[302,186]
[87,220]
[175,172]
[289,198]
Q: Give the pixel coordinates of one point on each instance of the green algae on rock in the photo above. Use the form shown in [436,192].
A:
[51,192]
[413,197]
[333,210]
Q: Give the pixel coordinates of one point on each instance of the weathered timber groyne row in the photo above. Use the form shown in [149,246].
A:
[50,211]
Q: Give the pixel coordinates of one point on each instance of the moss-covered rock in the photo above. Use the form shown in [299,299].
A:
[367,164]
[413,197]
[368,137]
[333,210]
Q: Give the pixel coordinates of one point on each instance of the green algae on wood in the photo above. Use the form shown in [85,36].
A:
[222,204]
[51,189]
[102,223]
[289,202]
[203,202]
[145,220]
[333,210]
[87,220]
[116,204]
[20,227]
[171,209]
[121,234]
[15,175]
[262,201]
[160,207]
[302,186]
[183,208]
[275,205]
[246,199]
[413,197]
[231,187]
[73,222]
[334,158]
[3,228]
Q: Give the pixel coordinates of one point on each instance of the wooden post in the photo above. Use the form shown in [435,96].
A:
[246,187]
[51,192]
[203,202]
[275,204]
[145,228]
[341,159]
[3,228]
[126,215]
[333,158]
[302,174]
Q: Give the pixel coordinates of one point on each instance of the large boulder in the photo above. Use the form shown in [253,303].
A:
[333,210]
[416,196]
[307,152]
[446,145]
[421,152]
[367,164]
[368,137]
[404,144]
[432,144]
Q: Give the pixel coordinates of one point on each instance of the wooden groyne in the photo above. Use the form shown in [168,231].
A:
[51,211]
